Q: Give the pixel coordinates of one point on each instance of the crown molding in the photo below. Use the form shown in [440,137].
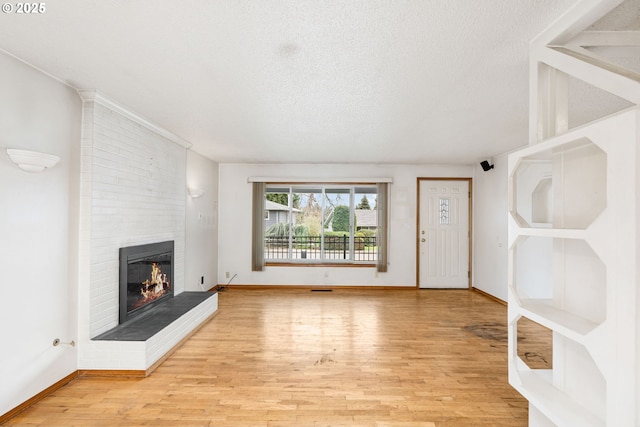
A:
[97,97]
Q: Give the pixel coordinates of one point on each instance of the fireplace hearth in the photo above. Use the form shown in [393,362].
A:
[146,278]
[143,328]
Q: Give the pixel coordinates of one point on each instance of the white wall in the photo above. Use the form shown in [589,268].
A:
[201,246]
[235,223]
[38,252]
[490,246]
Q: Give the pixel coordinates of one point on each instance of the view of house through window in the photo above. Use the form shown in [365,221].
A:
[316,223]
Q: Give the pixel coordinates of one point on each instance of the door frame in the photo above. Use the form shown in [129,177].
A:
[418,182]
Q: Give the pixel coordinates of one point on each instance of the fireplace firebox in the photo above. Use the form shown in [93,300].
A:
[146,278]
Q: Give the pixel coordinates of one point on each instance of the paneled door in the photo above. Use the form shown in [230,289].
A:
[443,233]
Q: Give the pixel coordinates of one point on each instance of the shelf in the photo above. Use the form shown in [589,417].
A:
[565,270]
[561,184]
[567,324]
[555,405]
[562,233]
[565,142]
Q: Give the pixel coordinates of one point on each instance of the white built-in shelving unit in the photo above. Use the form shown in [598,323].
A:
[573,211]
[574,229]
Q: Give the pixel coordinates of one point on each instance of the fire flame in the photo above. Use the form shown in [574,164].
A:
[155,287]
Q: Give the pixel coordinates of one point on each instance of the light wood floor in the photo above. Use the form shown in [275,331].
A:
[302,358]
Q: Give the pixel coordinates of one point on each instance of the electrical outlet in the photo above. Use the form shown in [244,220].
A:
[227,275]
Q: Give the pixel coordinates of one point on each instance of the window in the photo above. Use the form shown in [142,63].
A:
[444,211]
[320,224]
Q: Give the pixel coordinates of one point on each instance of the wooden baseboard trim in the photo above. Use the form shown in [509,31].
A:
[44,393]
[488,295]
[317,287]
[112,373]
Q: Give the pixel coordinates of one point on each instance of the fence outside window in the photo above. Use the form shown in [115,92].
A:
[310,248]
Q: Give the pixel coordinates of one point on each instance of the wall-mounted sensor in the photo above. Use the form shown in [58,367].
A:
[485,165]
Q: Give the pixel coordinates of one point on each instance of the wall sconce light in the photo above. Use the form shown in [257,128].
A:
[195,192]
[32,161]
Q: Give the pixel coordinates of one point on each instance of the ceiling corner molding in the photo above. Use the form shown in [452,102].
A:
[97,97]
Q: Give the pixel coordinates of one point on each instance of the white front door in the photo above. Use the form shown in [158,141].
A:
[443,234]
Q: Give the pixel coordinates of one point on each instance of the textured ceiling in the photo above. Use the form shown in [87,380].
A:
[396,81]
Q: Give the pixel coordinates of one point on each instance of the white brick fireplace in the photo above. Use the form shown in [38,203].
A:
[133,191]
